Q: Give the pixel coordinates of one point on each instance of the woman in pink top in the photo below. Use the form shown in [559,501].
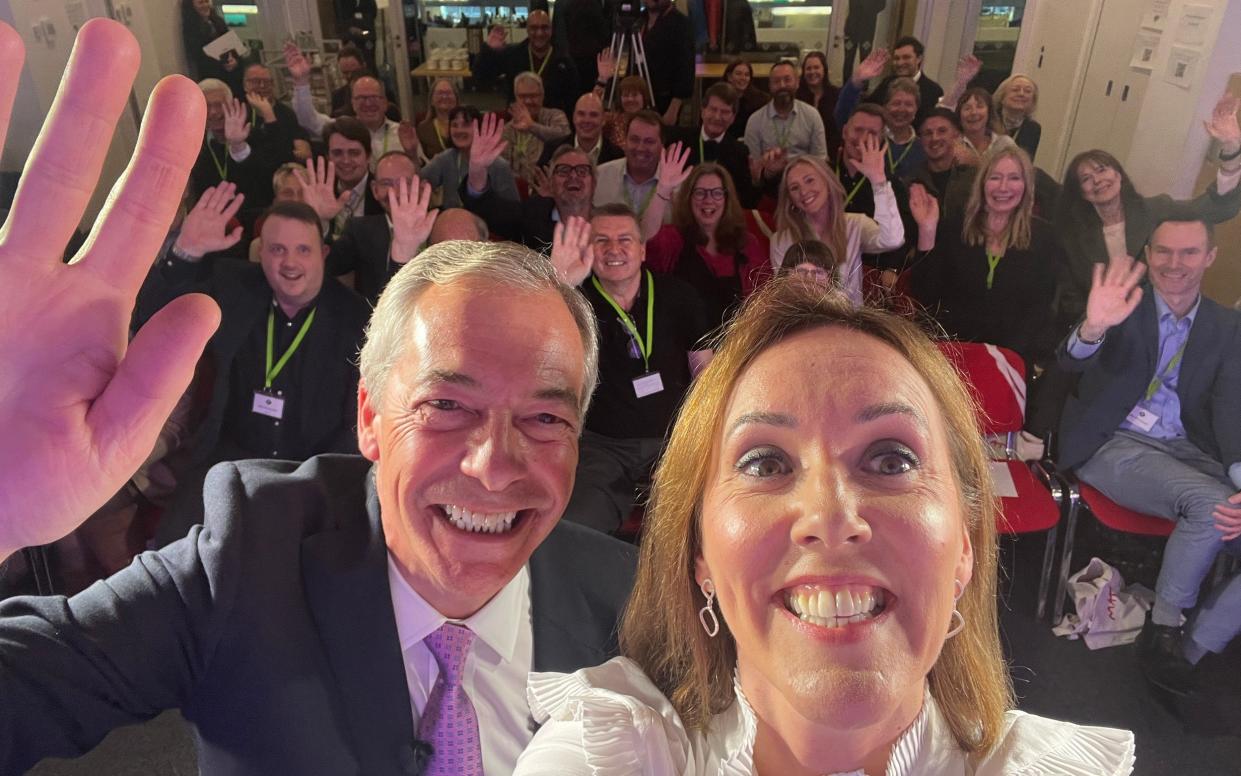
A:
[708,243]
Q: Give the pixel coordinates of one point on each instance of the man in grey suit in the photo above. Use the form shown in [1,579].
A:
[1155,424]
[369,615]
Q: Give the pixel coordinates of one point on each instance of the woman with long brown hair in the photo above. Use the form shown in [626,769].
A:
[816,587]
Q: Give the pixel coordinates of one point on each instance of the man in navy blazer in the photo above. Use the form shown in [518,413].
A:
[1155,424]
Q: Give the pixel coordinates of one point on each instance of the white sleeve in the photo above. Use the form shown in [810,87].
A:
[555,751]
[1227,181]
[886,232]
[304,107]
[779,245]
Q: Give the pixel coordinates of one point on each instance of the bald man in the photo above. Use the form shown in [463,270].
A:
[458,224]
[535,54]
[587,134]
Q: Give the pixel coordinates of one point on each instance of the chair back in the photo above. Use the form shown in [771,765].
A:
[996,377]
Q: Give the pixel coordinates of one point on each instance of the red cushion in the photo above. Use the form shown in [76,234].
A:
[1033,509]
[1119,518]
[1000,412]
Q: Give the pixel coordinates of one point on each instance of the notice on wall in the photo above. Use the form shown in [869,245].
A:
[1144,48]
[1191,30]
[1182,66]
[1157,16]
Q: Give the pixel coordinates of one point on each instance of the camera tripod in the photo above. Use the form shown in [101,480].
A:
[628,37]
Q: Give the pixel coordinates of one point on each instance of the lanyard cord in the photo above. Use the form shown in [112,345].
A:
[222,169]
[856,187]
[909,146]
[993,261]
[1153,387]
[645,348]
[272,371]
[546,59]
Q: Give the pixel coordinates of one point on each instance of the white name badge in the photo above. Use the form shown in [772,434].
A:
[648,384]
[1143,418]
[271,406]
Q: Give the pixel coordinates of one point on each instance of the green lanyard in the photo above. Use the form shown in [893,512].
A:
[993,261]
[702,155]
[222,169]
[546,59]
[272,371]
[646,201]
[856,187]
[644,348]
[1158,379]
[893,162]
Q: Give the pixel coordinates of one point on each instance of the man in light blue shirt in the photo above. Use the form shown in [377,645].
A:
[1155,424]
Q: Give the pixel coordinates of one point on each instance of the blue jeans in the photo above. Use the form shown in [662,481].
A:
[1173,479]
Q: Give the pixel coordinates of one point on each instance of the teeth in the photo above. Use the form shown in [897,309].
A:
[835,608]
[478,522]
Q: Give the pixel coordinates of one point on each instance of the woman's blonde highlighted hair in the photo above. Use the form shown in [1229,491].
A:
[1016,233]
[790,218]
[660,628]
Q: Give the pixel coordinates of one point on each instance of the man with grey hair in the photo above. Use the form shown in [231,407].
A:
[530,126]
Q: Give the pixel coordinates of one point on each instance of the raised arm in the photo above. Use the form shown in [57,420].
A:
[967,68]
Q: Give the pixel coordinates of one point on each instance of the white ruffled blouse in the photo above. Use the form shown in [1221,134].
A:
[611,720]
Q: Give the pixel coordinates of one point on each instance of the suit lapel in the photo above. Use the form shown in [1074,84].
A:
[346,577]
[561,614]
[1148,322]
[1198,359]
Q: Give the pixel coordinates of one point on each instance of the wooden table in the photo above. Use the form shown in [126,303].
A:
[716,69]
[431,73]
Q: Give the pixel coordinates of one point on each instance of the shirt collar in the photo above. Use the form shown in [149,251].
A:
[703,135]
[654,179]
[1162,309]
[497,624]
[593,150]
[770,110]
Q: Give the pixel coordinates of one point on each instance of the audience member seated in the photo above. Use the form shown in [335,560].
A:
[278,119]
[981,129]
[370,107]
[739,74]
[991,275]
[373,248]
[708,244]
[650,347]
[906,63]
[532,221]
[899,110]
[285,381]
[531,126]
[712,143]
[536,55]
[351,64]
[588,135]
[947,169]
[1155,425]
[669,46]
[824,491]
[810,260]
[340,190]
[286,186]
[449,168]
[635,181]
[1101,214]
[458,224]
[633,98]
[818,91]
[232,152]
[433,131]
[1015,101]
[784,128]
[812,207]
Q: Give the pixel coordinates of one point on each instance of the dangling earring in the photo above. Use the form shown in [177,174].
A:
[706,612]
[959,590]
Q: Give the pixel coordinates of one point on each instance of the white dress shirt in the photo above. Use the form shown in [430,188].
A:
[384,138]
[496,670]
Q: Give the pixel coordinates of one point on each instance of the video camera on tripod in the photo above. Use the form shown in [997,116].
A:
[627,37]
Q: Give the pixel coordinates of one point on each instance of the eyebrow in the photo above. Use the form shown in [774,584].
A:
[883,409]
[765,418]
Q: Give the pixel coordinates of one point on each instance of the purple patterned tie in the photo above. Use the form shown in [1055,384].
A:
[449,722]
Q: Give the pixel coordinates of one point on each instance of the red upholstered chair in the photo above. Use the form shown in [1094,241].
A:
[996,378]
[1110,514]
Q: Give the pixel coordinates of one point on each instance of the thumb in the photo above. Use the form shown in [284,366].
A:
[234,236]
[1235,498]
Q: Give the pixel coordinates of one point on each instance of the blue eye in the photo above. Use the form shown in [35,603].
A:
[764,462]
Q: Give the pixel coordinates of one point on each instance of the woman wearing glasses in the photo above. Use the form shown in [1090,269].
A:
[708,243]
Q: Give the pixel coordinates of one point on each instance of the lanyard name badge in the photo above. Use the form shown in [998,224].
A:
[264,402]
[1141,416]
[649,382]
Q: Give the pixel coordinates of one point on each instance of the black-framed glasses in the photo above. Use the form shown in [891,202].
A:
[563,170]
[715,195]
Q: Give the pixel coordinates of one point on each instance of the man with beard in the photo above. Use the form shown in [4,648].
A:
[534,54]
[634,180]
[587,133]
[941,173]
[572,184]
[669,46]
[711,143]
[532,126]
[783,128]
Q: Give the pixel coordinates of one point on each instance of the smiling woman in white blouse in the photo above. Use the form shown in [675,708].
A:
[816,588]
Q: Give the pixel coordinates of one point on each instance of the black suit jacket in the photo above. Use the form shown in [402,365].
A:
[1115,378]
[363,250]
[929,93]
[560,87]
[731,154]
[271,628]
[607,152]
[329,407]
[530,224]
[268,150]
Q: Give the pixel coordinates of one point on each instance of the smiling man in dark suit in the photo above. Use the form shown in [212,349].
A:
[302,627]
[1155,424]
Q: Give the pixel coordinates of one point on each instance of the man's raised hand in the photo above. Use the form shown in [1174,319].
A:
[411,221]
[80,406]
[319,188]
[1114,295]
[205,228]
[572,254]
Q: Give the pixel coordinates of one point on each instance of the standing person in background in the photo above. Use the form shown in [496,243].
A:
[201,23]
[535,54]
[817,90]
[860,31]
[907,63]
[433,135]
[583,29]
[739,74]
[1015,100]
[669,46]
